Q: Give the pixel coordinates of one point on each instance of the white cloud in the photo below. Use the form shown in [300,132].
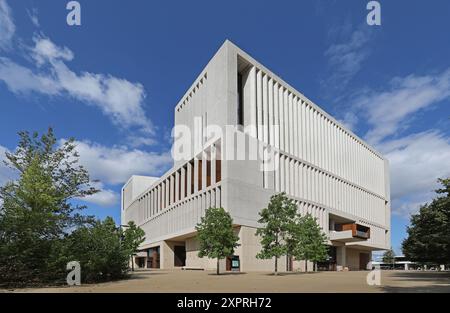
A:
[20,79]
[390,110]
[45,50]
[119,99]
[416,162]
[105,197]
[346,56]
[350,120]
[7,27]
[33,15]
[115,165]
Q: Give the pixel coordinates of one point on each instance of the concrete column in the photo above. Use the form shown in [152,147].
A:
[281,116]
[303,131]
[341,256]
[166,257]
[291,177]
[281,175]
[265,110]
[277,172]
[271,112]
[253,113]
[296,127]
[291,124]
[259,104]
[204,165]
[286,121]
[276,116]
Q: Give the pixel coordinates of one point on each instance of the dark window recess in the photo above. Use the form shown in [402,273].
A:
[199,181]
[179,255]
[160,197]
[240,107]
[179,186]
[169,185]
[191,164]
[218,170]
[208,173]
[185,182]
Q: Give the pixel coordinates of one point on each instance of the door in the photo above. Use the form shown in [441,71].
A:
[364,259]
[228,264]
[179,255]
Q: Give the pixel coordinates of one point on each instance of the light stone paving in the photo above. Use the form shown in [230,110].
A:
[205,281]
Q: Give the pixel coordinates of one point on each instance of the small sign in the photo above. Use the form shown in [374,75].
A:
[235,264]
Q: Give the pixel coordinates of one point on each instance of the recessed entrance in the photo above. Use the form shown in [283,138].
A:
[364,259]
[153,258]
[179,255]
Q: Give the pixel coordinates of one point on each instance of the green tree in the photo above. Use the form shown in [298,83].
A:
[37,210]
[216,236]
[428,234]
[133,236]
[277,219]
[389,257]
[99,249]
[311,242]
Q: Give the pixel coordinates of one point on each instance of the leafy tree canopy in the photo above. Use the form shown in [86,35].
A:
[277,220]
[311,241]
[216,236]
[37,211]
[389,256]
[428,234]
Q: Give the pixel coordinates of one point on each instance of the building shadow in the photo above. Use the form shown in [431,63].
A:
[294,273]
[143,274]
[227,273]
[418,289]
[423,276]
[439,282]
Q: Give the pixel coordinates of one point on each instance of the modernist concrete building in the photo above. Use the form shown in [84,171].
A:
[325,168]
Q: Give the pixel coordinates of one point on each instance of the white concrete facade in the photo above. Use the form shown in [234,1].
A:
[325,168]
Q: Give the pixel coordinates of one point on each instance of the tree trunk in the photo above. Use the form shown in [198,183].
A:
[132,264]
[276,266]
[306,266]
[218,266]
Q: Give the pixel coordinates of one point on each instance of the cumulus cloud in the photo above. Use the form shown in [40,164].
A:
[22,80]
[346,55]
[7,27]
[105,197]
[119,99]
[115,165]
[389,111]
[416,162]
[417,159]
[45,50]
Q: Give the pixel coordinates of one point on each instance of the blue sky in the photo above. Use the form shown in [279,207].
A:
[112,83]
